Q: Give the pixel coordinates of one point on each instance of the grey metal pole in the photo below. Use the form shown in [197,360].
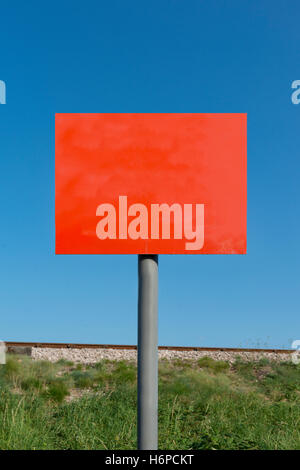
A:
[147,352]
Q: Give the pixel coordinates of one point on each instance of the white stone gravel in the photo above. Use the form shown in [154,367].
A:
[91,356]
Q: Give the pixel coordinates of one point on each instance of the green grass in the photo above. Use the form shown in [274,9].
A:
[209,363]
[57,390]
[202,405]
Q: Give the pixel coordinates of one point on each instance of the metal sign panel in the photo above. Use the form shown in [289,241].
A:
[149,183]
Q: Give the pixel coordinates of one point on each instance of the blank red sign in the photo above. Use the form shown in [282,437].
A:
[151,183]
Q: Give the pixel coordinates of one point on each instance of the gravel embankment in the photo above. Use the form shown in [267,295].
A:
[91,356]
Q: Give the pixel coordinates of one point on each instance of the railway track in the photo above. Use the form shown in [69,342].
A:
[16,344]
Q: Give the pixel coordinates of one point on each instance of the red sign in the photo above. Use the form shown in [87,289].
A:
[151,183]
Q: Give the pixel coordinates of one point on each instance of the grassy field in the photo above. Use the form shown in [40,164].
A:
[202,405]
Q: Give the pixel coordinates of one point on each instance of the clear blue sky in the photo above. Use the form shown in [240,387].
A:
[157,56]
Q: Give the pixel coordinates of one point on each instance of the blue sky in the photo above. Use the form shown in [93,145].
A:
[158,56]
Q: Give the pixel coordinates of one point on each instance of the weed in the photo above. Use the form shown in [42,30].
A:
[209,363]
[64,362]
[201,406]
[57,391]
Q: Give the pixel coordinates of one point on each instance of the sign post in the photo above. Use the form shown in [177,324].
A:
[147,352]
[149,184]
